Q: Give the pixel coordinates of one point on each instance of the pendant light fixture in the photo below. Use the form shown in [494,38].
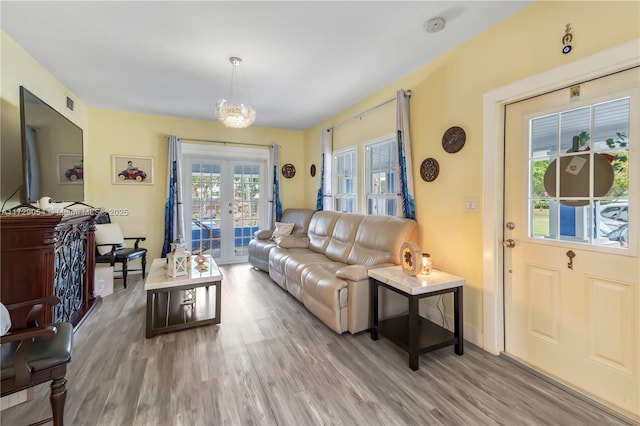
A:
[232,112]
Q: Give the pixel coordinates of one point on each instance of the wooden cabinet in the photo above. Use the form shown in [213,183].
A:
[49,254]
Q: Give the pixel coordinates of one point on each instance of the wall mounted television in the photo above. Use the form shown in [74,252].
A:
[51,152]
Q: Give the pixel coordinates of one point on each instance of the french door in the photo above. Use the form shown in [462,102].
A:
[225,203]
[572,292]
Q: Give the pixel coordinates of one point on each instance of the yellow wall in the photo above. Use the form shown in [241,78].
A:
[126,133]
[18,68]
[448,92]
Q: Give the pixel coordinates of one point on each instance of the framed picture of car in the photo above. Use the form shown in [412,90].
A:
[70,169]
[132,170]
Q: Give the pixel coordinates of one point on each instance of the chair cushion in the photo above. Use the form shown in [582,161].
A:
[108,233]
[5,320]
[122,254]
[42,354]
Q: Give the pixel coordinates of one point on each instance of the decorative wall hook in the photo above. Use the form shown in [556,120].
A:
[566,39]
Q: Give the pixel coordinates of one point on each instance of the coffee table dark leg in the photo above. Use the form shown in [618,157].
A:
[149,332]
[414,325]
[218,300]
[373,303]
[458,323]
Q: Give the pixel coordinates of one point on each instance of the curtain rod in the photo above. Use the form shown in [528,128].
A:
[407,93]
[225,142]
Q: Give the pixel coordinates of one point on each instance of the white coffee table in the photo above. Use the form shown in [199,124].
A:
[182,302]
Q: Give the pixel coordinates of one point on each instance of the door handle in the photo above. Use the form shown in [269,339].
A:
[508,243]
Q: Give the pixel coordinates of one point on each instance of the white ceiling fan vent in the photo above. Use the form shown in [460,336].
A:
[434,25]
[69,103]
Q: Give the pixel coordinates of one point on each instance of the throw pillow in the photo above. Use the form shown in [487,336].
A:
[108,233]
[282,229]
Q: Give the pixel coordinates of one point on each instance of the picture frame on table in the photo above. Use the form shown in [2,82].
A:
[70,169]
[132,170]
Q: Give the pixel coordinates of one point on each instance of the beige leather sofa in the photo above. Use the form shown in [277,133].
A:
[327,269]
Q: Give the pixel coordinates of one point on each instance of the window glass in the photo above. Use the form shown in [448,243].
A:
[381,172]
[579,174]
[344,180]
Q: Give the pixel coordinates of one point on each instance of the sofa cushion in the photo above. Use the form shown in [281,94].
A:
[300,218]
[342,237]
[292,241]
[320,229]
[379,239]
[263,234]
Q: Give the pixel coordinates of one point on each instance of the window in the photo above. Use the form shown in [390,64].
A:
[584,199]
[381,172]
[344,182]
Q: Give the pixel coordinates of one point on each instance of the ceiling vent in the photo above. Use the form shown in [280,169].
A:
[434,25]
[69,103]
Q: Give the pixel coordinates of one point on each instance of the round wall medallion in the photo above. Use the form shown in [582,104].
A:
[288,170]
[453,139]
[429,169]
[313,170]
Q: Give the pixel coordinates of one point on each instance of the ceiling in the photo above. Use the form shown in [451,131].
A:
[304,61]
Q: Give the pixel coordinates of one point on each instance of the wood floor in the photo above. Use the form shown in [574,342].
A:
[270,362]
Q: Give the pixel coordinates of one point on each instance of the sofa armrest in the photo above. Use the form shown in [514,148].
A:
[263,234]
[292,241]
[358,272]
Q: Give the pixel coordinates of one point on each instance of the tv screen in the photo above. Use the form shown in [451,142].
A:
[51,152]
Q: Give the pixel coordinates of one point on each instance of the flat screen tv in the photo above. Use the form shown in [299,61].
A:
[51,152]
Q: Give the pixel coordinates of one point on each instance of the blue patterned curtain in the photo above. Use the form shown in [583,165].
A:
[173,212]
[323,199]
[404,155]
[274,214]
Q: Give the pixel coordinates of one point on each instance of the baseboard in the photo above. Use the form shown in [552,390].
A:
[472,335]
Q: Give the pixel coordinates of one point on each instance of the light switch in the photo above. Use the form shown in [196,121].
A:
[470,204]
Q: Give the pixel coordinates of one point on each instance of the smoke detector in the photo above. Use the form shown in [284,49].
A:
[434,25]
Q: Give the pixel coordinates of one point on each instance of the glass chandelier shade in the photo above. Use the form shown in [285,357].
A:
[232,112]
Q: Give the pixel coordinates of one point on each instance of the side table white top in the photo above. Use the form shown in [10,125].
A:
[157,278]
[420,284]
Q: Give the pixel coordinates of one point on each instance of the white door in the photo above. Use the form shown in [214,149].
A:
[572,295]
[226,205]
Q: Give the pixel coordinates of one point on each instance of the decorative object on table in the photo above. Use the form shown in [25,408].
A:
[288,170]
[427,264]
[177,263]
[46,204]
[233,112]
[201,263]
[131,170]
[429,169]
[70,169]
[178,245]
[313,170]
[410,255]
[453,139]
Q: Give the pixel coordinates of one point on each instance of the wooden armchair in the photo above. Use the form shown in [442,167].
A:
[33,354]
[109,236]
